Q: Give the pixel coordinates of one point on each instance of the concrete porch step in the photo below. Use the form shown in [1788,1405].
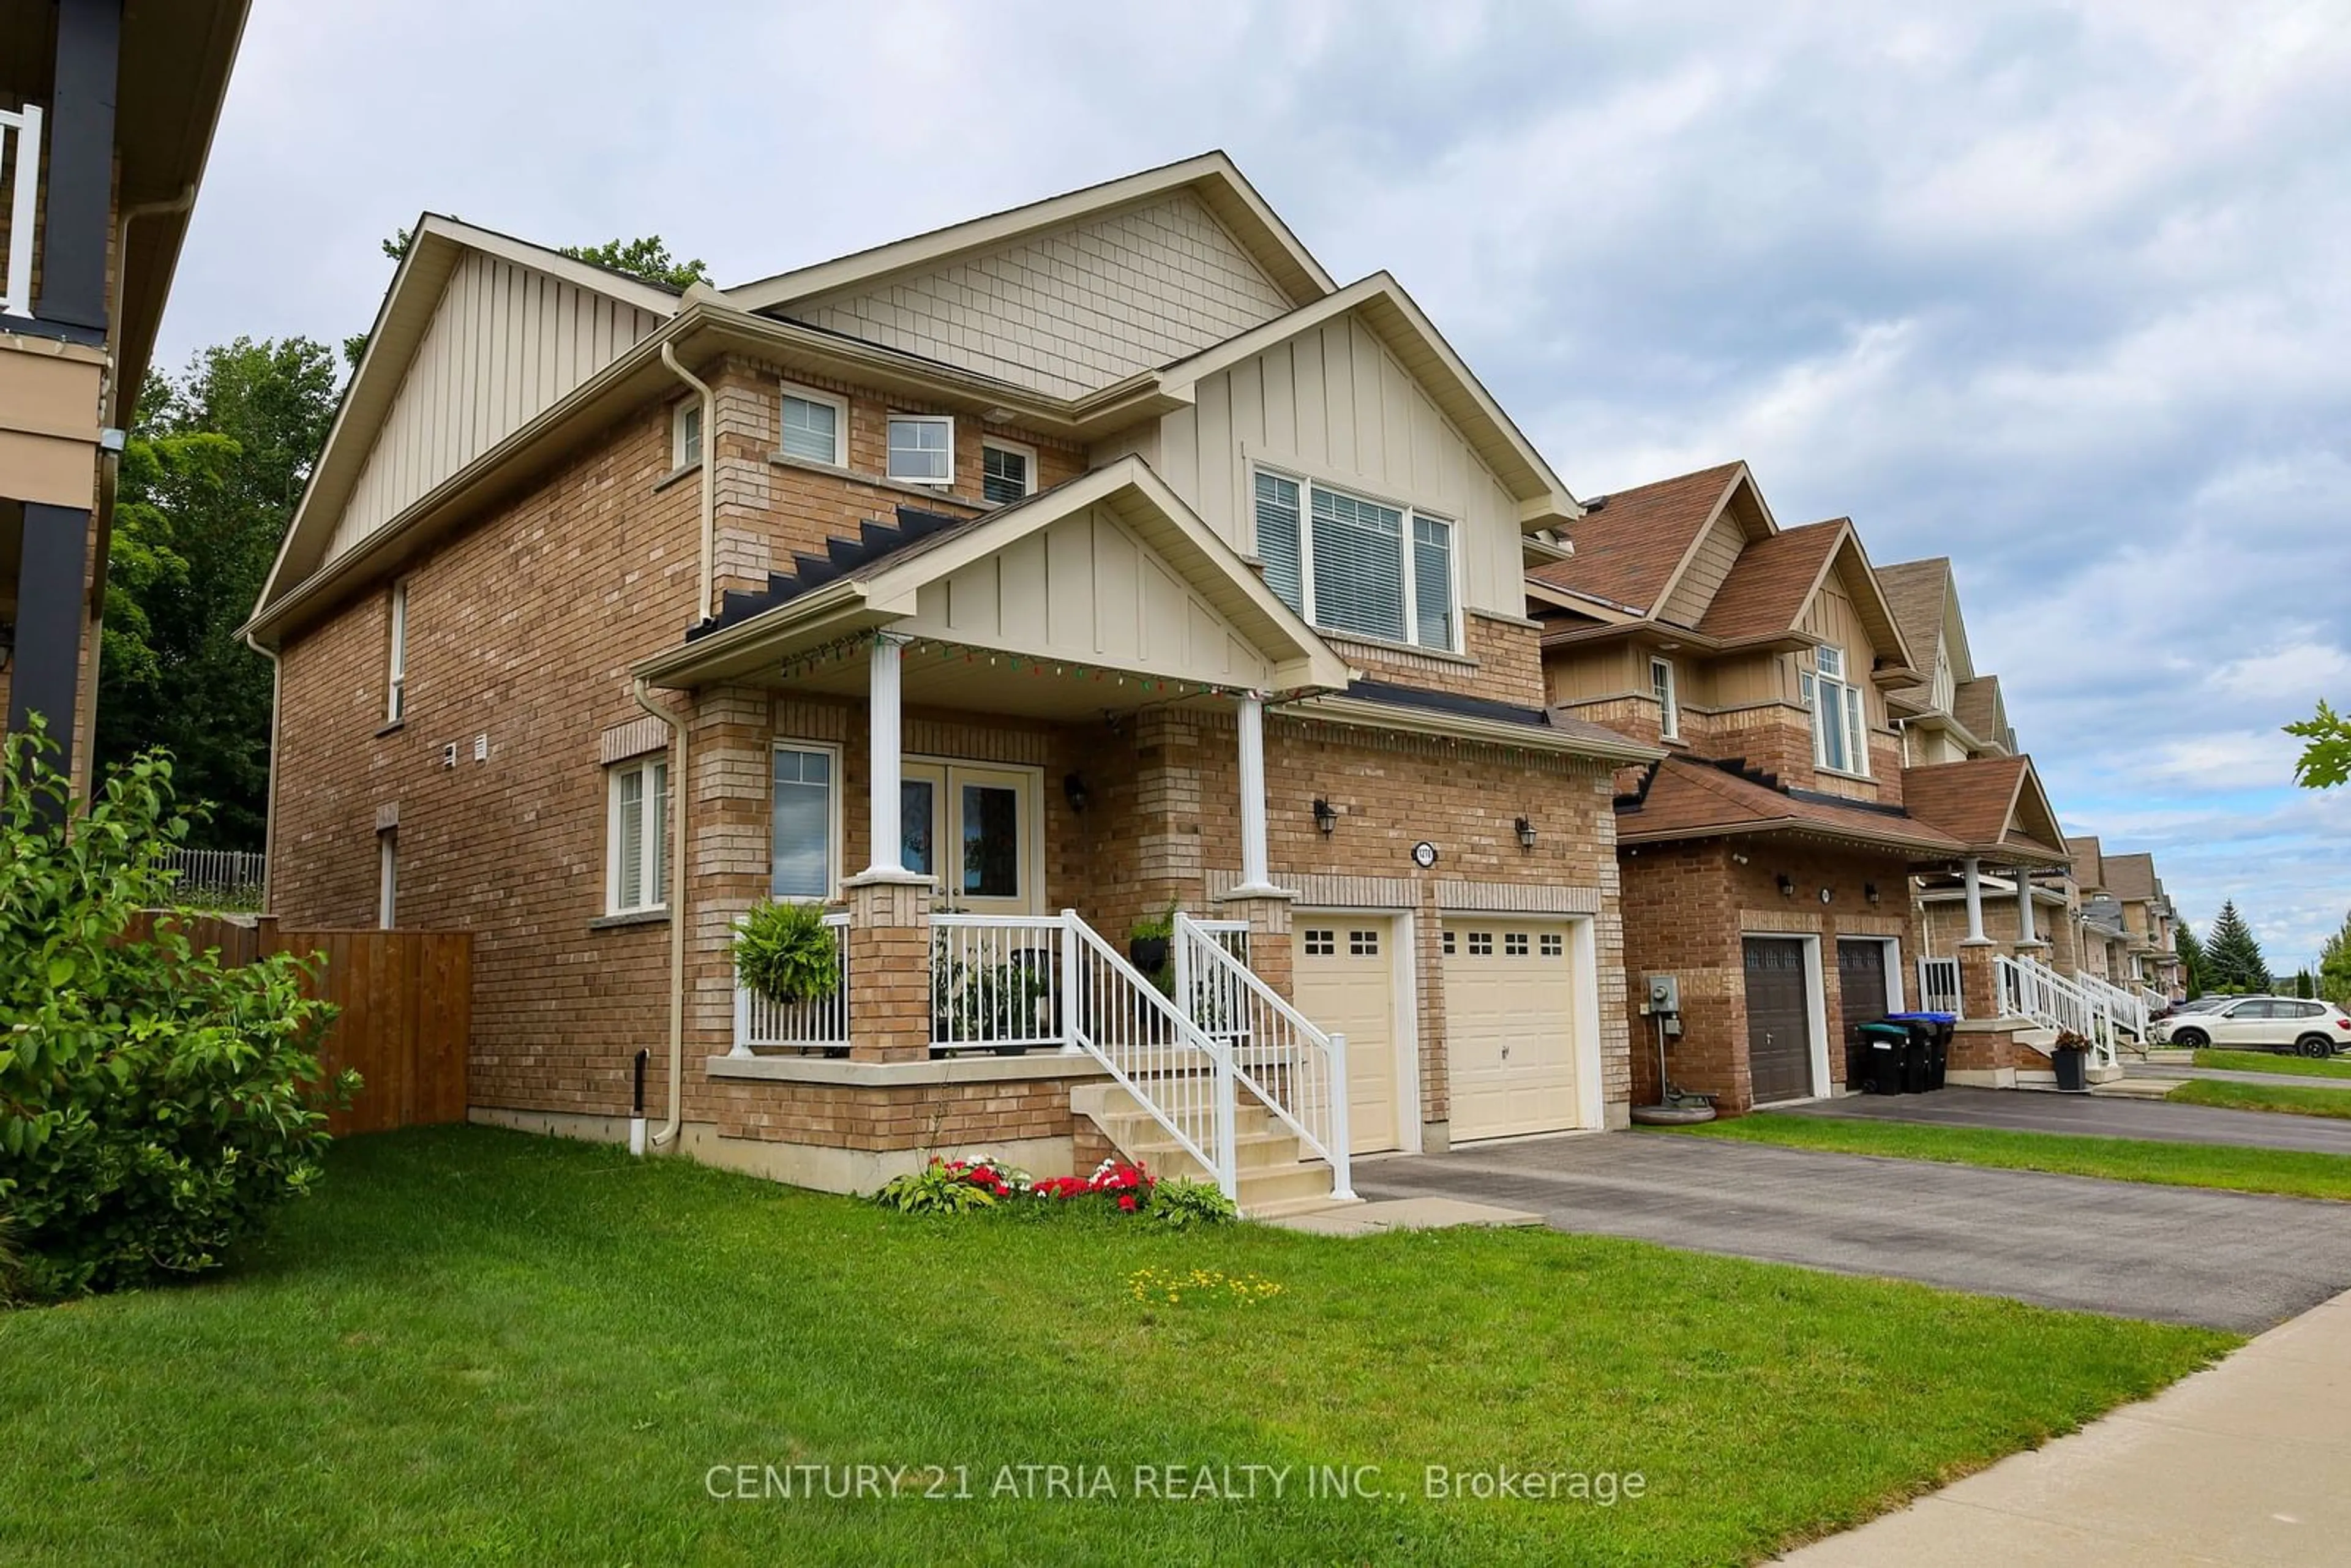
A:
[1251,1152]
[1271,1175]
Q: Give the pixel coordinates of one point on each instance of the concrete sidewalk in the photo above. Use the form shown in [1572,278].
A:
[2244,1463]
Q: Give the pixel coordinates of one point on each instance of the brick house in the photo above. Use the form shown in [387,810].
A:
[1766,858]
[994,590]
[105,123]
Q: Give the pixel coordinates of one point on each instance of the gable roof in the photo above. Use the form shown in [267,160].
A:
[1381,304]
[2131,878]
[1212,176]
[2089,863]
[437,247]
[1631,546]
[1917,592]
[1994,805]
[1684,797]
[1978,706]
[1774,581]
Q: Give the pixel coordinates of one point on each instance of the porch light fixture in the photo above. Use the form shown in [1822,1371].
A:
[1787,885]
[1526,834]
[1074,789]
[1869,891]
[1326,816]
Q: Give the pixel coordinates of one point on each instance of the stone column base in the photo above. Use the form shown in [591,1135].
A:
[1268,914]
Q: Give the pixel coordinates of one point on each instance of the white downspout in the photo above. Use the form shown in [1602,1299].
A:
[710,574]
[677,881]
[269,802]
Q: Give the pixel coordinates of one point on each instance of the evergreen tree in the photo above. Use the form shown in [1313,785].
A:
[2303,986]
[2232,958]
[2191,958]
[2334,965]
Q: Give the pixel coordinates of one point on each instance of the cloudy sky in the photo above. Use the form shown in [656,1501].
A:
[2059,291]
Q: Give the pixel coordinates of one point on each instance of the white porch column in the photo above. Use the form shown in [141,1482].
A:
[1254,876]
[2026,934]
[1974,870]
[885,744]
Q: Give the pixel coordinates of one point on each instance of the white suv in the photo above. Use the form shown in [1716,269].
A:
[2261,1023]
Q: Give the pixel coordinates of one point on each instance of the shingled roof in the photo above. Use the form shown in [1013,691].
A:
[1994,805]
[1628,545]
[2089,862]
[2131,877]
[1767,590]
[1686,798]
[1918,592]
[1976,705]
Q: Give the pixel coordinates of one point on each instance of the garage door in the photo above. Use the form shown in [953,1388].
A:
[1861,984]
[1510,1027]
[1779,1020]
[1344,980]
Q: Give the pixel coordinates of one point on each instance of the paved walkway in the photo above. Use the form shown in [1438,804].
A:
[2174,1254]
[2172,1073]
[2242,1464]
[2092,1116]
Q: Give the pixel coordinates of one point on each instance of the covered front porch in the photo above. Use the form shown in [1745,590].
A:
[958,748]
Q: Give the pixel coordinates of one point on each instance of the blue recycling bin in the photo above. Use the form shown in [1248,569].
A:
[1931,1032]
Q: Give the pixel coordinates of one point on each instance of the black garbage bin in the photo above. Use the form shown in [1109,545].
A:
[1933,1032]
[2073,1063]
[1885,1045]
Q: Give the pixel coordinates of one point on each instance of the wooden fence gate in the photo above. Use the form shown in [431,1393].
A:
[405,1018]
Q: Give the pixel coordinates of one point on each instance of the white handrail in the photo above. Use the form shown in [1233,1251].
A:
[24,170]
[2128,1009]
[2030,989]
[997,982]
[1279,1054]
[1180,1074]
[1939,987]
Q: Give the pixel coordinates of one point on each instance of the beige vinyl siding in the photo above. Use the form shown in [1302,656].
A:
[1076,310]
[1833,619]
[1595,674]
[1087,591]
[506,341]
[1334,404]
[1718,551]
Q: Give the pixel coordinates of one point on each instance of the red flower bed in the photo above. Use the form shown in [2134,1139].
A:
[1130,1185]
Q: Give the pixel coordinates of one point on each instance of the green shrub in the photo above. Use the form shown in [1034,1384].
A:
[155,1107]
[952,1186]
[785,952]
[1182,1203]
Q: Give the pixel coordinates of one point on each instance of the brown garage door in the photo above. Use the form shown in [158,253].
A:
[1778,1024]
[1861,978]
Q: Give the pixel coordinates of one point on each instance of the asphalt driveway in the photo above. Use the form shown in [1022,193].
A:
[2186,1255]
[2092,1116]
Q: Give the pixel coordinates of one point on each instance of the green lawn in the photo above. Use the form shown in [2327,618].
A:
[2285,1171]
[478,1345]
[2264,1062]
[2293,1099]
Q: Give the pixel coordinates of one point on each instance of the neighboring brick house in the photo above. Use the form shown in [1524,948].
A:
[2150,922]
[106,118]
[1767,859]
[1102,555]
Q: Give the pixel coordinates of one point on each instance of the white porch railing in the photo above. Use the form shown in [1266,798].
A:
[20,170]
[2032,989]
[1939,987]
[2127,1007]
[996,982]
[803,1027]
[1278,1055]
[2155,1000]
[1183,1076]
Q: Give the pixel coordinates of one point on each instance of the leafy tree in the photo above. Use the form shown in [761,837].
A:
[2326,759]
[2232,955]
[156,1106]
[2334,965]
[217,460]
[2191,958]
[647,258]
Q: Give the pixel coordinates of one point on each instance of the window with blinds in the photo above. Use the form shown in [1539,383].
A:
[636,870]
[1355,565]
[815,427]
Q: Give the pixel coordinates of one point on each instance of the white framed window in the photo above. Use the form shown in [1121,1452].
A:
[636,837]
[386,879]
[814,425]
[1840,726]
[396,683]
[1669,711]
[685,434]
[1008,471]
[1357,565]
[922,449]
[805,821]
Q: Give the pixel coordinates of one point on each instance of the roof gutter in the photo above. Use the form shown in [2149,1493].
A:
[1462,726]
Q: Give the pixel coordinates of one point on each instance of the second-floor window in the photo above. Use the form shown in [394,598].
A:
[1356,565]
[685,435]
[1006,471]
[922,449]
[815,427]
[396,701]
[1840,730]
[1669,711]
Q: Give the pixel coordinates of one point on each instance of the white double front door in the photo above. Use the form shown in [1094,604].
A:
[979,830]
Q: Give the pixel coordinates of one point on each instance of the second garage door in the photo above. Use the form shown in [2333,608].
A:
[1510,1027]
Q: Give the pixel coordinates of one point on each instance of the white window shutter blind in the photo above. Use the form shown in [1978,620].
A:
[1358,566]
[1278,539]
